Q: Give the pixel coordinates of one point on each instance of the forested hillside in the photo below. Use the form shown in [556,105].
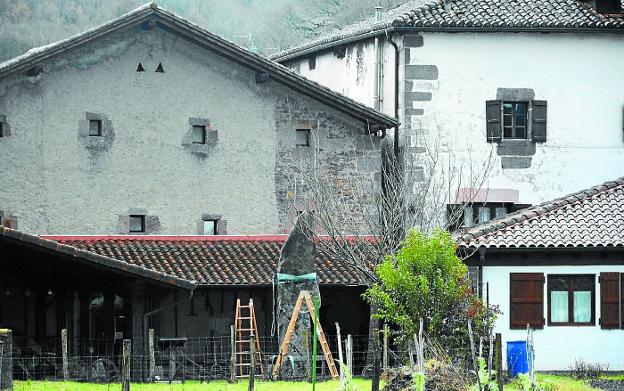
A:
[263,25]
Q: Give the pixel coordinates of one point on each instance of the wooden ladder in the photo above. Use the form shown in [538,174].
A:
[245,324]
[290,330]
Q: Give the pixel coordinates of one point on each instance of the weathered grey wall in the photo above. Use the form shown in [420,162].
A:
[56,180]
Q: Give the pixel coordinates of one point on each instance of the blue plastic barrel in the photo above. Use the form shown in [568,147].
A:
[517,358]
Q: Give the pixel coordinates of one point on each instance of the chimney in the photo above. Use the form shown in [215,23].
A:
[447,5]
[378,14]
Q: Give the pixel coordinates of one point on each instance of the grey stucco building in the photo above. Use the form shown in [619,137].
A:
[135,147]
[153,117]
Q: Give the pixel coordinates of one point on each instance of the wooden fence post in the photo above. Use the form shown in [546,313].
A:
[232,355]
[152,358]
[340,358]
[350,353]
[6,359]
[125,365]
[252,361]
[375,342]
[385,348]
[64,353]
[498,360]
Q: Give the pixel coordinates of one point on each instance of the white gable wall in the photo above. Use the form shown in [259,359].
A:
[578,75]
[557,347]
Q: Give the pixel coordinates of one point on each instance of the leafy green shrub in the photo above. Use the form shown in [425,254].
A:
[426,280]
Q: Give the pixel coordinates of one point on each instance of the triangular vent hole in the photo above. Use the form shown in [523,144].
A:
[140,68]
[160,68]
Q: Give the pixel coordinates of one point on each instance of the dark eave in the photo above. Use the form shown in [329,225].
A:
[108,263]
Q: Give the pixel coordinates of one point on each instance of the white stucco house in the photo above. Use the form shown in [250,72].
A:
[558,267]
[529,91]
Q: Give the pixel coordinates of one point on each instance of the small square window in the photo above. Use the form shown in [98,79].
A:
[137,223]
[303,137]
[95,127]
[210,227]
[199,134]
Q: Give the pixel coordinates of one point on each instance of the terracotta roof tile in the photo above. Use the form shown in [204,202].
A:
[473,15]
[218,260]
[591,217]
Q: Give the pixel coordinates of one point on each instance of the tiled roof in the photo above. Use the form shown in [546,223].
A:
[100,260]
[472,15]
[208,260]
[189,30]
[511,14]
[588,218]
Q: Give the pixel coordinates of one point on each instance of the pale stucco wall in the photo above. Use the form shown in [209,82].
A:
[57,182]
[578,75]
[445,80]
[557,347]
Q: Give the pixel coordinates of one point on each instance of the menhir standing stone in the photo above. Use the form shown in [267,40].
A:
[296,271]
[6,361]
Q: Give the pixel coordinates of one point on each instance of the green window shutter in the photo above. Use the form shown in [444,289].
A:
[539,121]
[493,120]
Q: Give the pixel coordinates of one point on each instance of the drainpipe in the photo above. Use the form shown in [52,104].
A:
[396,91]
[481,262]
[378,63]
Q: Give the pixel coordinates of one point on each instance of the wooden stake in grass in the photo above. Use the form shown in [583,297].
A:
[472,353]
[125,365]
[64,353]
[152,359]
[340,358]
[252,361]
[314,320]
[232,354]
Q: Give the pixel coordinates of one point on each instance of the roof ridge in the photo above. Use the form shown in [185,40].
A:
[228,48]
[537,211]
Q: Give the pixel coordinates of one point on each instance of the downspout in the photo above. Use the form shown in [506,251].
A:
[481,263]
[396,91]
[377,85]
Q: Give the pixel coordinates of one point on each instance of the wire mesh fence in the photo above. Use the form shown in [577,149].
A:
[173,360]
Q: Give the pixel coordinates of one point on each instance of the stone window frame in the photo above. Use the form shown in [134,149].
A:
[220,224]
[151,223]
[495,116]
[8,221]
[5,128]
[211,136]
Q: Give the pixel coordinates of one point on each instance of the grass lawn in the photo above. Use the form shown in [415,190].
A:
[563,383]
[362,385]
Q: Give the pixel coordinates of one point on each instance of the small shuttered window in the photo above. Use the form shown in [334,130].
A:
[526,300]
[611,300]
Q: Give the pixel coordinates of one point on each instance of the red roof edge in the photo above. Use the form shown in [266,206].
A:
[173,238]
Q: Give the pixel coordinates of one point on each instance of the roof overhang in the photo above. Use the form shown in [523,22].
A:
[25,242]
